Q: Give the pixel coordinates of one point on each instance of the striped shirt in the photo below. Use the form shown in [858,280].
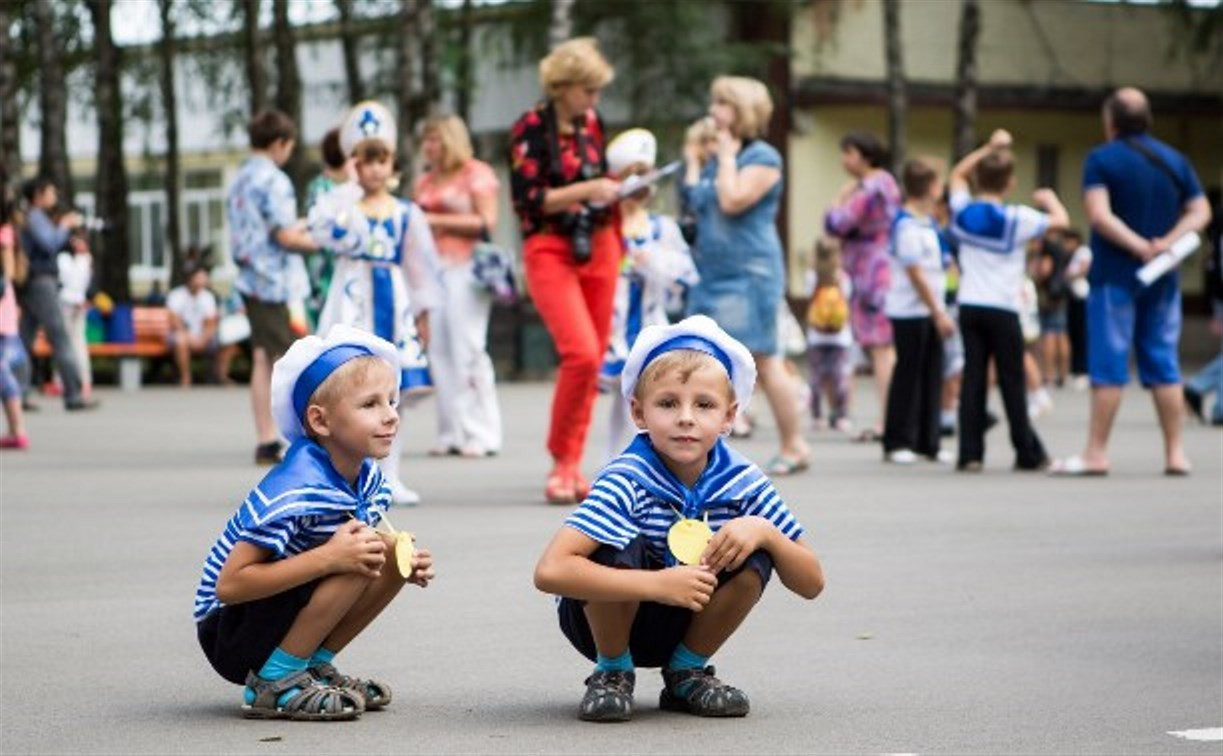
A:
[295,508]
[635,494]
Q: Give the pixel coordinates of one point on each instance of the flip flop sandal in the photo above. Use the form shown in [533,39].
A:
[1074,467]
[868,436]
[780,465]
[1177,472]
[376,693]
[315,701]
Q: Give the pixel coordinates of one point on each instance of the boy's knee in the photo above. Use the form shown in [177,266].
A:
[747,585]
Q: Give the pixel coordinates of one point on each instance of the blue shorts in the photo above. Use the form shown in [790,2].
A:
[1149,319]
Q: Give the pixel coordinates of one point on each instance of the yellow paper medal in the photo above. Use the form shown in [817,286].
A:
[403,553]
[687,540]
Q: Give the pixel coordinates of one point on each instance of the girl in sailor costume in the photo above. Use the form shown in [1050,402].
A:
[656,267]
[679,535]
[387,275]
[299,570]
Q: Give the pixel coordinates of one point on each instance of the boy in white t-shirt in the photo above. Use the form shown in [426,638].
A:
[993,238]
[914,305]
[193,322]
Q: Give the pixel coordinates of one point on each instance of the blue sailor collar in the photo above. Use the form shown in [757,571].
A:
[728,477]
[307,484]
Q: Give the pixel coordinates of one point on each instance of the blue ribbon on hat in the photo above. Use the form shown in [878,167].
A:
[318,371]
[689,341]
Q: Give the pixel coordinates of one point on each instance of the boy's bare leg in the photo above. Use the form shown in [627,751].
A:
[610,625]
[378,594]
[261,397]
[726,610]
[333,599]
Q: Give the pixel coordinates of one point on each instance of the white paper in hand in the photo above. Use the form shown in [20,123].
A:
[1180,249]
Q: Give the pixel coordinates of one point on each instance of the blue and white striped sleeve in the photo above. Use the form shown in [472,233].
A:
[273,535]
[765,502]
[606,515]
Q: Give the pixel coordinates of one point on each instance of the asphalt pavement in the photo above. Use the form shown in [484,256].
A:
[998,613]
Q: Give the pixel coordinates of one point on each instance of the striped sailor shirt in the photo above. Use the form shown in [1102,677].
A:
[635,494]
[295,508]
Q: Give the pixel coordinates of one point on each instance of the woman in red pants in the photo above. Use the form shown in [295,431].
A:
[571,249]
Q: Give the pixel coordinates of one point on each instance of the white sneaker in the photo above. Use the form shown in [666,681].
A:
[401,495]
[902,457]
[944,457]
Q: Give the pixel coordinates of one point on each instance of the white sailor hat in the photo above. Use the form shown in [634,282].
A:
[698,333]
[367,120]
[629,148]
[299,373]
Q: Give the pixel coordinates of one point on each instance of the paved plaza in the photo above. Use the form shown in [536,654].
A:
[992,613]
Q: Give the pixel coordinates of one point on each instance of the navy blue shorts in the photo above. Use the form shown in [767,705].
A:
[1121,317]
[239,638]
[658,628]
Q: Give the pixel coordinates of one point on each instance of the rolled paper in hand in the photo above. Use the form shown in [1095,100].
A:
[1180,249]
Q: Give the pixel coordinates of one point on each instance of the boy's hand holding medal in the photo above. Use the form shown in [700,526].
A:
[354,547]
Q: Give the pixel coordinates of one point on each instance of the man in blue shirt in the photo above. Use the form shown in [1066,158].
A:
[1141,196]
[264,231]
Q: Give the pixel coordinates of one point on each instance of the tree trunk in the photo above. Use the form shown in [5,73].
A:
[169,106]
[406,43]
[113,256]
[256,78]
[964,135]
[10,118]
[352,61]
[289,90]
[561,26]
[898,103]
[430,82]
[52,103]
[463,76]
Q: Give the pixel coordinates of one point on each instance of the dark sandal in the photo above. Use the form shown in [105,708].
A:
[375,693]
[706,697]
[314,702]
[609,697]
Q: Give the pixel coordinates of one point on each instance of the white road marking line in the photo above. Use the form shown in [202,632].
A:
[1207,734]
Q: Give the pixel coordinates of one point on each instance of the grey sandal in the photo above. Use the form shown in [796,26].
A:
[375,693]
[314,702]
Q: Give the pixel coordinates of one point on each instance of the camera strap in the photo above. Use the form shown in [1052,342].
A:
[555,164]
[1154,157]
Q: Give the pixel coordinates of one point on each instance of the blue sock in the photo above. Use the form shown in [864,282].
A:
[279,665]
[621,663]
[322,656]
[685,658]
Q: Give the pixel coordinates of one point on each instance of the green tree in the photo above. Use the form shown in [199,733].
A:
[111,188]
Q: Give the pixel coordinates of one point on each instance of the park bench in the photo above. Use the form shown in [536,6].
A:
[151,326]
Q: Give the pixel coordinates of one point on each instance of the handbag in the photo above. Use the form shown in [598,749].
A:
[492,269]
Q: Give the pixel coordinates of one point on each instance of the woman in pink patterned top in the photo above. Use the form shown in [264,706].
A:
[12,353]
[861,217]
[459,197]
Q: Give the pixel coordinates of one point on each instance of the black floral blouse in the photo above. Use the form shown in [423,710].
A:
[534,170]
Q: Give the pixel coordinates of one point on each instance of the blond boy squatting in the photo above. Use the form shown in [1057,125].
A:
[626,601]
[299,571]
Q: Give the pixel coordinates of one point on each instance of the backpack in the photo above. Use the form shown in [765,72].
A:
[828,310]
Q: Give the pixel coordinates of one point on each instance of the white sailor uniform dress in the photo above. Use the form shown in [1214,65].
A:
[386,274]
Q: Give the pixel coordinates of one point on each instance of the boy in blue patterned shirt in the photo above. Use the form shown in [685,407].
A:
[679,535]
[299,571]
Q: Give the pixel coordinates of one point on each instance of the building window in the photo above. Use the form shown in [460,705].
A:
[1046,166]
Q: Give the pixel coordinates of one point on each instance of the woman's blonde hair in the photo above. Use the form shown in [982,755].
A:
[577,61]
[456,141]
[750,100]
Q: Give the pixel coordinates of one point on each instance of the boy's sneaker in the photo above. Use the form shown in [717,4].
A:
[609,696]
[704,695]
[901,457]
[270,453]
